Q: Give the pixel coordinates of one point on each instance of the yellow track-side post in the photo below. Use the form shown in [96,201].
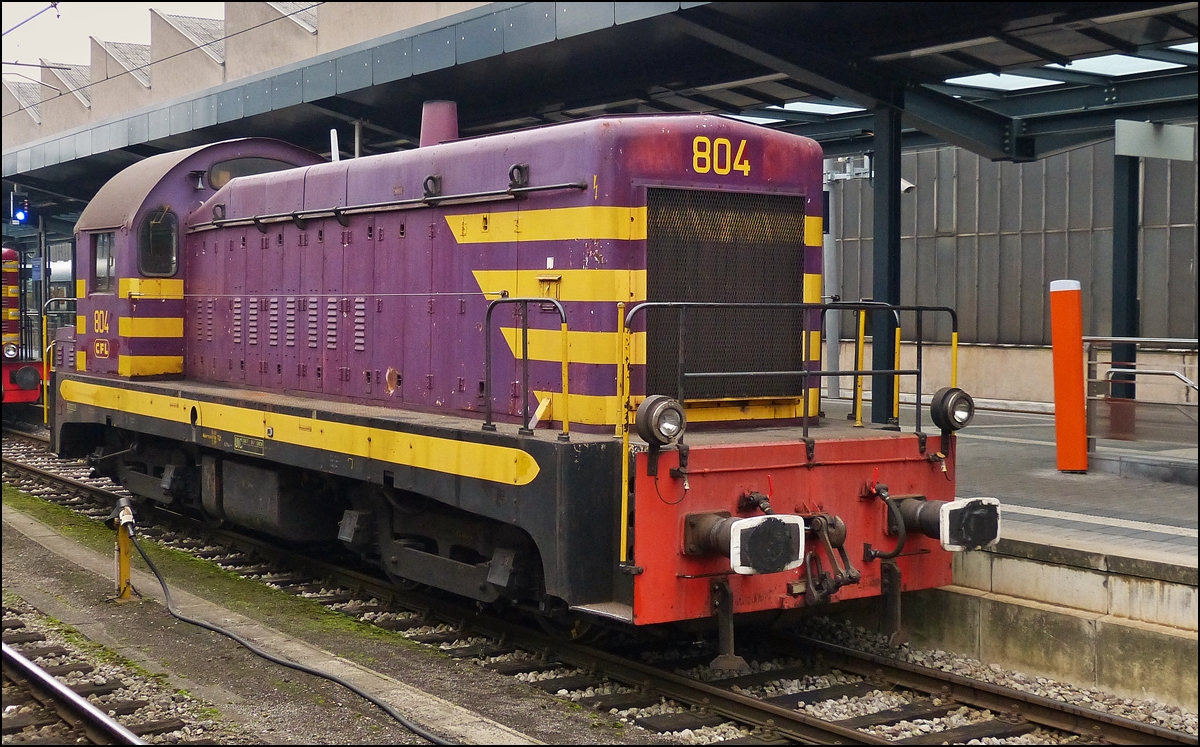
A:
[124,546]
[896,380]
[566,413]
[858,364]
[122,520]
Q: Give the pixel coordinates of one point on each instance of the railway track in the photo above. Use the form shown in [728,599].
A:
[59,712]
[663,689]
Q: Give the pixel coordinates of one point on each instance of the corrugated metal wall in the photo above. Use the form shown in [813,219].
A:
[987,238]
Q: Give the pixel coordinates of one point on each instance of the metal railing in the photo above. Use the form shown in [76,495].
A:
[1112,413]
[525,429]
[47,362]
[806,375]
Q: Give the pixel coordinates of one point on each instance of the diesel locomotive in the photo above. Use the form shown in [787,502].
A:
[574,368]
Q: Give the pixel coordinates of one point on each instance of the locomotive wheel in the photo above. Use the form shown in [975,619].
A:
[402,583]
[572,628]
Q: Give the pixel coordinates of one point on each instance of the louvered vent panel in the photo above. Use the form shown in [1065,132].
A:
[273,320]
[360,324]
[289,334]
[208,319]
[331,320]
[726,247]
[252,322]
[199,317]
[314,312]
[237,321]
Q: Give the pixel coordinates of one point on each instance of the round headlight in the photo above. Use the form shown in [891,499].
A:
[951,408]
[10,350]
[660,420]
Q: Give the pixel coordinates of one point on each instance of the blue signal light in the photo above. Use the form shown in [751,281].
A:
[20,216]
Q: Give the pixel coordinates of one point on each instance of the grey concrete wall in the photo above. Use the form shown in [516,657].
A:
[259,38]
[114,89]
[19,127]
[978,364]
[177,65]
[62,107]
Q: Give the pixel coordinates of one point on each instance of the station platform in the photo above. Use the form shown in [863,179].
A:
[1011,456]
[1094,579]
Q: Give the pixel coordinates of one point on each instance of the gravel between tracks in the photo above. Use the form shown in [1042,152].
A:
[163,702]
[1148,711]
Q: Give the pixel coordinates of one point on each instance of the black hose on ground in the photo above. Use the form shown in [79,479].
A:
[277,660]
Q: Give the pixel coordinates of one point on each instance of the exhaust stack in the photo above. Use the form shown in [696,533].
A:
[439,122]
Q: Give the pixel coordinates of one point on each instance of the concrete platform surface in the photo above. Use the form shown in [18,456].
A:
[1011,456]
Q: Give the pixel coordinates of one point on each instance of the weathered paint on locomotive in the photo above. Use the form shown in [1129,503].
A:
[134,326]
[389,307]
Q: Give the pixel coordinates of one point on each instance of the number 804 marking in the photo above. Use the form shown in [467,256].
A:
[718,156]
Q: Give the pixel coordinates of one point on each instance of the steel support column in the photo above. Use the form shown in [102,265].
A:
[886,248]
[1126,320]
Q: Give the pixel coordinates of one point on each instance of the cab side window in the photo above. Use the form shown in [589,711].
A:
[102,263]
[158,243]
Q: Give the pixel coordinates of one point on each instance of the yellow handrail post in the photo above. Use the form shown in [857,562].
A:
[858,363]
[623,425]
[896,380]
[954,359]
[566,413]
[47,369]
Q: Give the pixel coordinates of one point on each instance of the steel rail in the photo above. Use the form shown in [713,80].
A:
[99,727]
[1034,708]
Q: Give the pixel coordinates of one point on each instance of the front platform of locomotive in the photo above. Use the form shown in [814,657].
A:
[741,498]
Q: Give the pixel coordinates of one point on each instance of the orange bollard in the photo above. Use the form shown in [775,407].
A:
[1070,407]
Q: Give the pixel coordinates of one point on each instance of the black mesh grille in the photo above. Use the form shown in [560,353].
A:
[729,248]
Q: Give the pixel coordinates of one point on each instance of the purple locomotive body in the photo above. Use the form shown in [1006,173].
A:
[385,301]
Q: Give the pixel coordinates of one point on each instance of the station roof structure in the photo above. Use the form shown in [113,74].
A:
[817,69]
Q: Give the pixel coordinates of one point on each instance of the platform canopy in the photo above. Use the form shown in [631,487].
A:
[1010,81]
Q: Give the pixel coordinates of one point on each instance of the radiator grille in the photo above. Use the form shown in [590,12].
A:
[725,247]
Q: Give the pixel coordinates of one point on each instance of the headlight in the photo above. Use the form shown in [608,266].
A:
[10,350]
[951,408]
[660,420]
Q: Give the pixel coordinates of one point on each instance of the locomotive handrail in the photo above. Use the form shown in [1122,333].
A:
[626,320]
[337,212]
[47,363]
[525,428]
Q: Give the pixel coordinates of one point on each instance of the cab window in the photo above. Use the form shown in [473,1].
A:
[102,263]
[158,243]
[221,172]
